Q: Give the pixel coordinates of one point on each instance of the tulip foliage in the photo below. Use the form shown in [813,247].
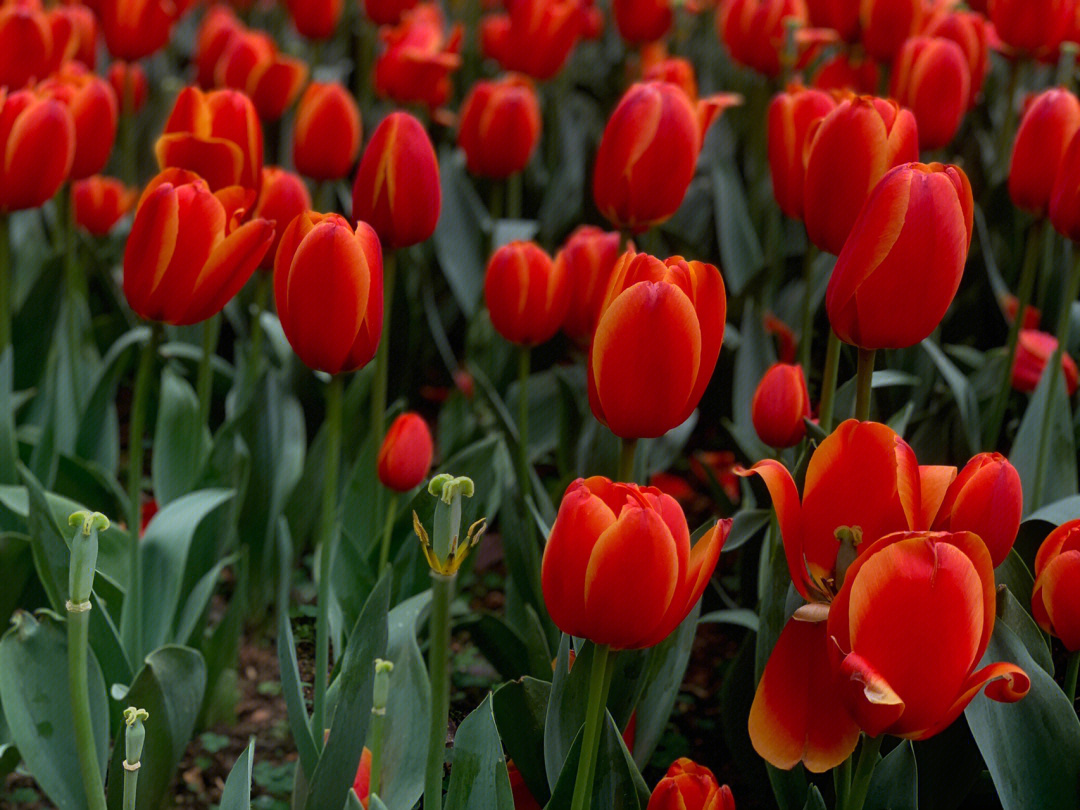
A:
[539,404]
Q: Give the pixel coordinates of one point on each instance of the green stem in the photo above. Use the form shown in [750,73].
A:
[1070,676]
[5,283]
[842,782]
[382,356]
[864,384]
[513,195]
[128,165]
[327,534]
[1007,125]
[78,623]
[131,782]
[1023,293]
[442,593]
[204,384]
[388,530]
[263,285]
[828,382]
[860,783]
[807,337]
[75,292]
[377,733]
[627,450]
[1049,242]
[599,684]
[524,478]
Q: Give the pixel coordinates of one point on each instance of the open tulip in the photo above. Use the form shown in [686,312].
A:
[1050,122]
[886,24]
[137,28]
[99,203]
[1055,600]
[418,59]
[791,116]
[282,198]
[1031,26]
[328,291]
[187,254]
[526,294]
[781,403]
[534,37]
[37,142]
[932,79]
[128,80]
[589,257]
[657,340]
[987,499]
[500,126]
[94,109]
[316,19]
[689,786]
[902,263]
[26,45]
[404,459]
[252,63]
[618,568]
[327,132]
[754,30]
[1033,351]
[641,21]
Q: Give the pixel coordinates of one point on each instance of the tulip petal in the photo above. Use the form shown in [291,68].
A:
[785,498]
[1004,682]
[1060,586]
[934,482]
[228,269]
[217,160]
[150,246]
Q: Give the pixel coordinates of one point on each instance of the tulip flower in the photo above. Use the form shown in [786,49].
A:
[886,24]
[387,12]
[316,19]
[931,78]
[327,132]
[968,30]
[791,116]
[754,31]
[1050,121]
[848,152]
[404,459]
[656,343]
[534,37]
[846,72]
[282,197]
[1065,198]
[99,203]
[74,33]
[137,28]
[397,188]
[418,59]
[526,294]
[128,81]
[673,70]
[1033,351]
[328,291]
[216,29]
[1031,26]
[251,62]
[187,254]
[500,126]
[1054,600]
[94,109]
[37,139]
[588,259]
[689,786]
[780,404]
[902,263]
[618,568]
[641,21]
[362,783]
[986,499]
[840,15]
[908,629]
[26,45]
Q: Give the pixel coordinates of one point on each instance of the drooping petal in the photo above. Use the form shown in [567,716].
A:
[785,498]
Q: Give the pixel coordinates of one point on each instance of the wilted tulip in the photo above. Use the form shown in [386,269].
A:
[500,126]
[26,45]
[902,263]
[886,24]
[418,58]
[931,78]
[840,15]
[404,459]
[534,37]
[1031,25]
[526,294]
[99,203]
[792,114]
[397,188]
[849,151]
[968,30]
[37,142]
[282,197]
[1033,351]
[689,786]
[588,259]
[657,339]
[128,80]
[387,12]
[94,109]
[137,28]
[641,21]
[187,254]
[1055,600]
[328,290]
[316,19]
[252,63]
[754,30]
[780,404]
[844,71]
[327,132]
[618,568]
[1050,121]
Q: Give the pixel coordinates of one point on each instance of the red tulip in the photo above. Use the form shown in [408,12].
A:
[387,12]
[689,786]
[362,783]
[1050,121]
[418,58]
[282,198]
[74,33]
[37,142]
[26,45]
[588,259]
[327,132]
[986,499]
[754,30]
[99,203]
[673,70]
[534,37]
[656,343]
[641,21]
[523,798]
[840,15]
[128,81]
[968,30]
[886,24]
[251,63]
[94,109]
[1033,350]
[1055,600]
[526,293]
[328,290]
[500,126]
[618,568]
[405,455]
[780,404]
[1065,198]
[1031,25]
[216,30]
[792,114]
[931,78]
[397,188]
[860,75]
[137,28]
[316,19]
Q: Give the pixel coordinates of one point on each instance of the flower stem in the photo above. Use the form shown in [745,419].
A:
[327,535]
[864,384]
[828,382]
[263,284]
[382,356]
[513,195]
[388,530]
[603,667]
[442,593]
[78,623]
[5,283]
[627,451]
[75,292]
[1070,676]
[842,781]
[807,336]
[377,733]
[524,479]
[204,384]
[864,771]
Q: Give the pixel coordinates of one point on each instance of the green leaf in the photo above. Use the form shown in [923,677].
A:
[962,391]
[459,236]
[752,360]
[504,648]
[747,524]
[566,708]
[293,689]
[895,783]
[618,784]
[1011,608]
[1059,477]
[520,708]
[740,250]
[478,778]
[949,764]
[181,440]
[738,617]
[237,792]
[814,800]
[36,697]
[8,448]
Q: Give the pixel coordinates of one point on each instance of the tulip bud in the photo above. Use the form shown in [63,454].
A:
[405,455]
[397,188]
[1033,350]
[1050,121]
[673,70]
[902,263]
[362,781]
[849,151]
[886,24]
[128,81]
[251,62]
[328,291]
[987,499]
[931,78]
[216,30]
[25,45]
[840,15]
[387,12]
[588,259]
[282,198]
[99,203]
[75,34]
[526,293]
[37,142]
[1065,199]
[656,344]
[754,30]
[846,72]
[968,30]
[791,116]
[534,37]
[316,19]
[418,59]
[1054,602]
[187,254]
[94,109]
[641,21]
[137,28]
[84,555]
[1031,25]
[327,132]
[500,126]
[689,786]
[780,404]
[134,734]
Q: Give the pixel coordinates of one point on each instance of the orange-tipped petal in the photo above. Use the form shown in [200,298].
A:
[785,498]
[217,160]
[1059,584]
[227,270]
[934,483]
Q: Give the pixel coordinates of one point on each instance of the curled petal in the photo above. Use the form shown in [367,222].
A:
[785,498]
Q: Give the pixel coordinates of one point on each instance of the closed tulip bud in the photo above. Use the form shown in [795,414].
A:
[387,12]
[500,126]
[327,132]
[217,135]
[641,21]
[588,259]
[99,203]
[25,45]
[754,30]
[534,37]
[37,142]
[987,499]
[1031,25]
[397,188]
[656,343]
[931,78]
[1033,351]
[94,109]
[283,197]
[418,58]
[849,151]
[1065,198]
[405,455]
[689,786]
[618,567]
[847,72]
[673,70]
[187,254]
[74,34]
[840,15]
[216,30]
[316,19]
[886,24]
[968,30]
[128,80]
[781,403]
[902,263]
[1055,600]
[251,63]
[791,116]
[362,782]
[1050,121]
[328,283]
[526,293]
[137,28]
